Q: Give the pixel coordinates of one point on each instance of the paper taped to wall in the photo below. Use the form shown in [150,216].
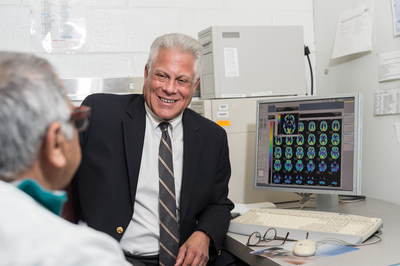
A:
[353,32]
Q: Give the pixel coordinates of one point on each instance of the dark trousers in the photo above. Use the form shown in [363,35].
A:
[224,259]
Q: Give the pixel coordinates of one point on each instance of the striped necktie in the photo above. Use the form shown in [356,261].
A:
[169,227]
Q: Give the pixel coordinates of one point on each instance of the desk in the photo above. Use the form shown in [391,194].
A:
[386,252]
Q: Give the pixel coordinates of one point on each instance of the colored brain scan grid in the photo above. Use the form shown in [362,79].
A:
[311,156]
[309,144]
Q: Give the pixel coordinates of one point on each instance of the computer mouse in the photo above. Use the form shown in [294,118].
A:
[305,248]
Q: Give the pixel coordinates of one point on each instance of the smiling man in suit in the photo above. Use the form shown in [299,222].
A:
[118,188]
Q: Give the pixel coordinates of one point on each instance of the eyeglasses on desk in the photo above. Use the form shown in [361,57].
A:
[269,238]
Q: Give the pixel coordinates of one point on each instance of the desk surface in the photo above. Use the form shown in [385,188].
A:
[386,252]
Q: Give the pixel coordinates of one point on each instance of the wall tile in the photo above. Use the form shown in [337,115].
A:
[197,20]
[139,62]
[91,65]
[106,3]
[11,2]
[298,18]
[15,28]
[131,30]
[269,4]
[177,3]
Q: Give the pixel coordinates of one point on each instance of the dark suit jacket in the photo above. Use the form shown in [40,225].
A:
[105,185]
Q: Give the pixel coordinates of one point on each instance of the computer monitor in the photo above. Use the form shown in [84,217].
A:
[310,145]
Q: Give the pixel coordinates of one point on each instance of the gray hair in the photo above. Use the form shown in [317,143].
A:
[31,98]
[184,43]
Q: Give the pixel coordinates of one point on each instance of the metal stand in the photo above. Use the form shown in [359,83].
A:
[327,202]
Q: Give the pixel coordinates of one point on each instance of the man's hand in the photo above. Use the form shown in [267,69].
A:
[194,251]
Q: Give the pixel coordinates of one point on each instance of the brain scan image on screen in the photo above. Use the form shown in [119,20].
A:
[299,180]
[310,180]
[289,140]
[277,165]
[311,152]
[277,179]
[278,152]
[301,126]
[323,139]
[288,152]
[299,166]
[312,157]
[311,139]
[310,166]
[336,125]
[322,166]
[288,165]
[335,153]
[323,126]
[299,152]
[334,167]
[323,153]
[335,139]
[311,126]
[288,179]
[300,140]
[288,124]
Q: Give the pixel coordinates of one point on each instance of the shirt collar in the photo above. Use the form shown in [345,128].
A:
[155,120]
[51,200]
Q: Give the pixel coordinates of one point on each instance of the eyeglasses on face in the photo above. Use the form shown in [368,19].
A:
[270,235]
[80,116]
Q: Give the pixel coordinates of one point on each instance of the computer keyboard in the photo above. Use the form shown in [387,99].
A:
[352,229]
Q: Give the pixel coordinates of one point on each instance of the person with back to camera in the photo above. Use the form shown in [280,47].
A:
[39,155]
[127,167]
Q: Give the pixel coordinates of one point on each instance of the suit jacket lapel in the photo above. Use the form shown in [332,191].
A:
[134,125]
[192,145]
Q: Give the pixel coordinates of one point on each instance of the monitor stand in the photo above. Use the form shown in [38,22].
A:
[324,202]
[327,202]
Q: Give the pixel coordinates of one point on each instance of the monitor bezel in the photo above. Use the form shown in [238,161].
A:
[357,157]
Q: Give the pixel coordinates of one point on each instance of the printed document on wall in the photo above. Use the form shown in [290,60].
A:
[353,32]
[389,66]
[58,26]
[387,102]
[396,17]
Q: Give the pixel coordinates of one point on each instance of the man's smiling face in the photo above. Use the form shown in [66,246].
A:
[169,85]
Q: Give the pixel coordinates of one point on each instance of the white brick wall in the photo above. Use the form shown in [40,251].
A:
[271,5]
[15,28]
[119,32]
[128,30]
[12,2]
[196,20]
[96,65]
[208,4]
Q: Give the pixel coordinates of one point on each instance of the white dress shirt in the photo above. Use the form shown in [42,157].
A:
[142,235]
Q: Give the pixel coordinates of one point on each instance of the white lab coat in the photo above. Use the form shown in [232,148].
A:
[32,235]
